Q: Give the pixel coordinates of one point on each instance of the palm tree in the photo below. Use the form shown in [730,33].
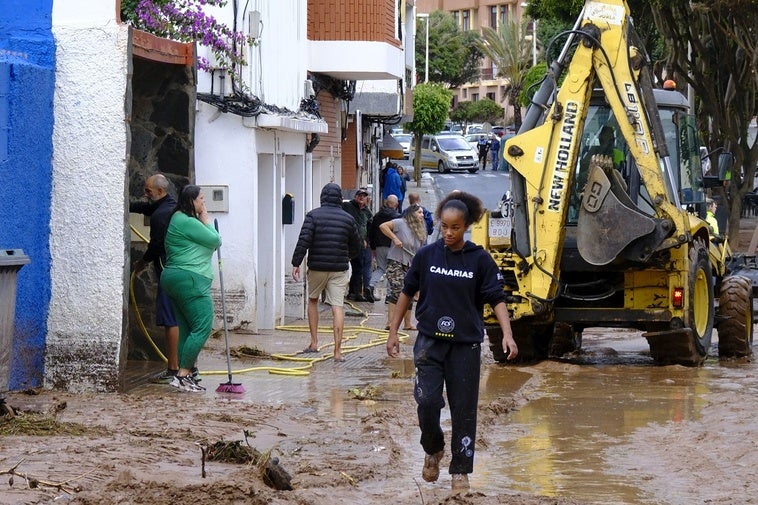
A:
[510,52]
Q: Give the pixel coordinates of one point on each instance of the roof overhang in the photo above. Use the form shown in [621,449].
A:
[352,60]
[391,148]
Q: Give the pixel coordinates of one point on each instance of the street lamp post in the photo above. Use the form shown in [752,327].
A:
[534,36]
[425,16]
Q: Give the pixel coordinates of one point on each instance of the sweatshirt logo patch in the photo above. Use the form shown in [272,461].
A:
[445,324]
[451,272]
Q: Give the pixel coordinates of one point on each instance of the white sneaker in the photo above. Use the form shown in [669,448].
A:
[186,383]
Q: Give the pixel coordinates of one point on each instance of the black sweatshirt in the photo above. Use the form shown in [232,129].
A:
[453,287]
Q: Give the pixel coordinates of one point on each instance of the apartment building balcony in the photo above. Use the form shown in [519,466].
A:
[350,40]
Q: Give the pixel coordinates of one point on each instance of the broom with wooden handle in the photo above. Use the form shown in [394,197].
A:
[228,386]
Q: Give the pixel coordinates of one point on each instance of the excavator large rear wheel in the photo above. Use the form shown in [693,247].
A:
[533,342]
[700,312]
[736,314]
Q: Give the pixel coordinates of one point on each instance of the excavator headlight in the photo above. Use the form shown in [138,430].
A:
[677,298]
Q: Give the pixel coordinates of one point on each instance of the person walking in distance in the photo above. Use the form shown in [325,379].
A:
[191,241]
[360,278]
[408,234]
[404,179]
[330,237]
[454,278]
[379,242]
[483,147]
[494,150]
[158,208]
[393,184]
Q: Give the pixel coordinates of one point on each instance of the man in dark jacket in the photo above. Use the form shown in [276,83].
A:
[379,242]
[360,279]
[330,237]
[159,207]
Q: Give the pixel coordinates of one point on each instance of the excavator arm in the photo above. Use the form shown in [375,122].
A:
[545,154]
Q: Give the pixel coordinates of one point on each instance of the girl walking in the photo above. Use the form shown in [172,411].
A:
[454,279]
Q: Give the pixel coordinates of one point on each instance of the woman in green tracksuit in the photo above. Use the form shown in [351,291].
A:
[190,242]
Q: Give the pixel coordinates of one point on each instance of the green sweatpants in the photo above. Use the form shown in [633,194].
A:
[191,300]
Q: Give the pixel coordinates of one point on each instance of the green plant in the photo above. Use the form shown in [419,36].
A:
[185,21]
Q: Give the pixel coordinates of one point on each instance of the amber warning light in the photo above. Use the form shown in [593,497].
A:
[678,298]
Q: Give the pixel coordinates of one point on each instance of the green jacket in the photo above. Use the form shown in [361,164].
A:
[190,244]
[362,217]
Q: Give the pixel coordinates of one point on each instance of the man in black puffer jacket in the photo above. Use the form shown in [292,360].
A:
[330,237]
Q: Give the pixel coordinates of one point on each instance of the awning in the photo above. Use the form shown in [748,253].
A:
[390,148]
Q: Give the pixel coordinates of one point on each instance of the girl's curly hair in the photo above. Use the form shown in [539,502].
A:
[470,205]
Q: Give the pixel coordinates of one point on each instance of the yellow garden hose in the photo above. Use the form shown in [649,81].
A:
[349,333]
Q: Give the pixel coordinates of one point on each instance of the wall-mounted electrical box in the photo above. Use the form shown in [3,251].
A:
[216,198]
[288,209]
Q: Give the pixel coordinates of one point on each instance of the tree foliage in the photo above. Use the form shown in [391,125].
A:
[532,81]
[454,56]
[484,110]
[431,103]
[713,47]
[462,113]
[511,53]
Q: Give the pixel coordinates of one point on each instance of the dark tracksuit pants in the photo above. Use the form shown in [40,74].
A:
[360,278]
[456,366]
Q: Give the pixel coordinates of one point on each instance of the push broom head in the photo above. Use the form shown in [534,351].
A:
[230,387]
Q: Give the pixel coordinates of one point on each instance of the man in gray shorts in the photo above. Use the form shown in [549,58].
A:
[330,237]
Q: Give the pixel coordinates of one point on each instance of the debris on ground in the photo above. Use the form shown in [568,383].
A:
[235,451]
[245,351]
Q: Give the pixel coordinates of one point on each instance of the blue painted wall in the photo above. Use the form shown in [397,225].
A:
[27,80]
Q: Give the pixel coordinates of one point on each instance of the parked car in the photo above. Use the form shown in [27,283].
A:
[446,152]
[405,140]
[474,128]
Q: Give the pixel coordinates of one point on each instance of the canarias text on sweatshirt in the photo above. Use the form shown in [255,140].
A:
[451,272]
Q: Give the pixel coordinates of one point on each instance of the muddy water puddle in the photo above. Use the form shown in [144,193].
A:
[562,438]
[561,442]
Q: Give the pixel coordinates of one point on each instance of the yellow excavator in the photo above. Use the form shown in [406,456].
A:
[604,224]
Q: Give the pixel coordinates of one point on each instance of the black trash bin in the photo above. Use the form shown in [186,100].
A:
[11,261]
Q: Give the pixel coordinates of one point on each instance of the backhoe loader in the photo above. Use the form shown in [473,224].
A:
[604,225]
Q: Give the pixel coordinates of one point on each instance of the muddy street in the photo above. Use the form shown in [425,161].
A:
[603,427]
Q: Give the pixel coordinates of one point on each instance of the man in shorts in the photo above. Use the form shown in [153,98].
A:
[330,237]
[159,208]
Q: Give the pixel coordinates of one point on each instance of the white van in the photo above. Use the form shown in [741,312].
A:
[446,152]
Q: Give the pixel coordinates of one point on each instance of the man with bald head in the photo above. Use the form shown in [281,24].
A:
[378,241]
[160,207]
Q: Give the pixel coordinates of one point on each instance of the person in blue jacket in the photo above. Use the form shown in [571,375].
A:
[393,185]
[454,279]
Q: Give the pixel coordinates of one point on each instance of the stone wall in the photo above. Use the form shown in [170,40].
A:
[162,132]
